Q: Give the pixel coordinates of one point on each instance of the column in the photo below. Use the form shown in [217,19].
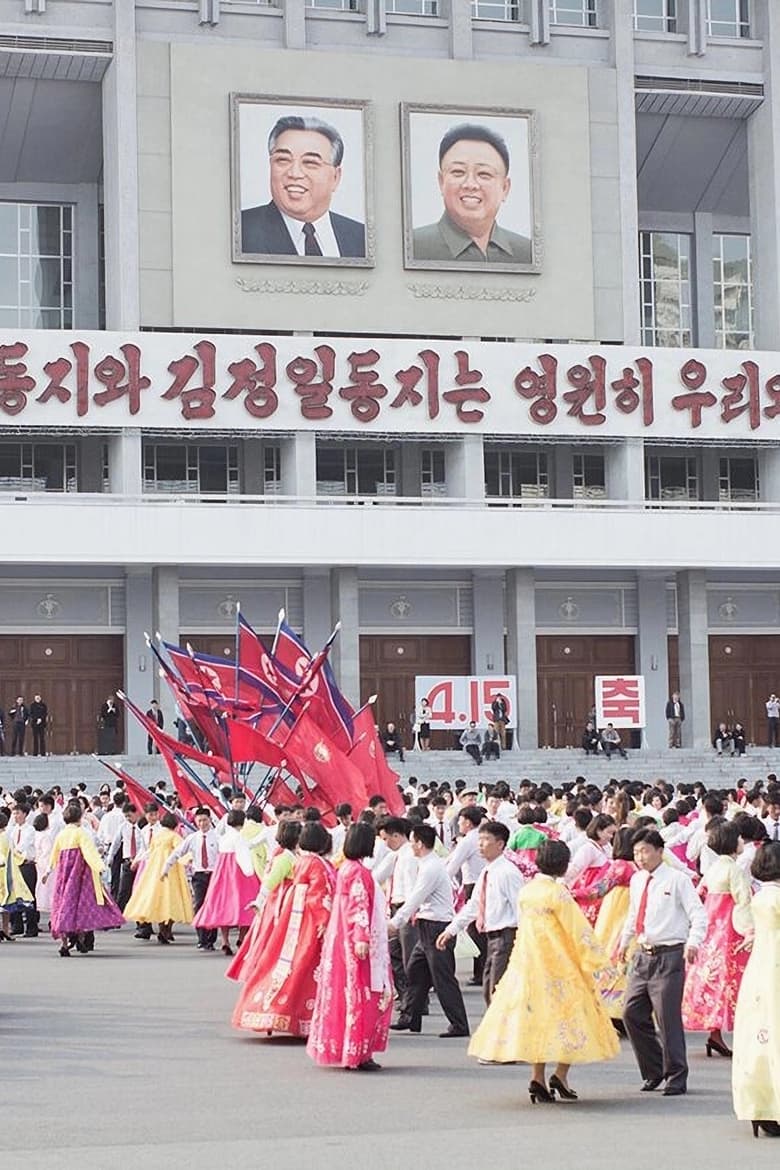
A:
[90,463]
[521,653]
[165,596]
[704,284]
[764,172]
[125,460]
[652,655]
[487,642]
[563,472]
[622,59]
[694,657]
[710,473]
[317,625]
[465,467]
[410,477]
[345,654]
[625,470]
[461,26]
[120,175]
[140,672]
[254,478]
[299,464]
[769,475]
[294,24]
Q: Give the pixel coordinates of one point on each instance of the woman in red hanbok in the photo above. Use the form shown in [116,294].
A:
[713,981]
[354,999]
[279,988]
[591,862]
[268,905]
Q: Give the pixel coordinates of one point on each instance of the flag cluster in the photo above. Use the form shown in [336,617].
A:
[277,707]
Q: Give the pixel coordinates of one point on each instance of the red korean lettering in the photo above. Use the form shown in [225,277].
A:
[468,390]
[365,390]
[693,376]
[196,401]
[630,391]
[15,382]
[620,699]
[58,370]
[411,378]
[312,384]
[773,393]
[121,378]
[734,403]
[257,382]
[540,389]
[588,383]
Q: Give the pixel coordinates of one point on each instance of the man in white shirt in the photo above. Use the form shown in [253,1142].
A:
[669,923]
[466,859]
[202,848]
[431,901]
[125,847]
[397,871]
[772,818]
[339,830]
[21,838]
[111,823]
[492,907]
[442,825]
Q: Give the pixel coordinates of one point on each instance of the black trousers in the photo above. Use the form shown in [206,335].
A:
[39,740]
[116,874]
[26,921]
[474,752]
[200,884]
[499,948]
[772,731]
[478,938]
[655,988]
[125,884]
[18,739]
[491,750]
[429,968]
[401,947]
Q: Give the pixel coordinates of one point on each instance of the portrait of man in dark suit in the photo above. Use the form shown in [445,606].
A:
[305,160]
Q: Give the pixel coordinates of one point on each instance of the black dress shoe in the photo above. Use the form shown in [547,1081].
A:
[451,1033]
[650,1084]
[369,1066]
[674,1091]
[406,1025]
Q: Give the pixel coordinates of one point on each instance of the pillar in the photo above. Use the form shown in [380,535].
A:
[710,473]
[652,655]
[317,624]
[410,472]
[465,466]
[120,175]
[254,472]
[299,464]
[694,657]
[165,597]
[769,475]
[345,654]
[622,60]
[90,456]
[625,470]
[563,472]
[487,642]
[521,653]
[764,176]
[140,672]
[125,463]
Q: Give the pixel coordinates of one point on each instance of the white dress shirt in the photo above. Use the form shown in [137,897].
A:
[399,870]
[445,831]
[674,912]
[772,828]
[22,840]
[466,858]
[110,824]
[431,896]
[504,882]
[323,234]
[124,840]
[193,845]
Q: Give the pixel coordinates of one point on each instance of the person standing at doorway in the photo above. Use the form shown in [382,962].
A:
[675,717]
[773,721]
[20,717]
[108,728]
[500,711]
[155,714]
[39,715]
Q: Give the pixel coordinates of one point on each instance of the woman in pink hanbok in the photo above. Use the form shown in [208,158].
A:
[713,981]
[354,998]
[590,863]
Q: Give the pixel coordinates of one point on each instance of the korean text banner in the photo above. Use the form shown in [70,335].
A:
[457,700]
[620,700]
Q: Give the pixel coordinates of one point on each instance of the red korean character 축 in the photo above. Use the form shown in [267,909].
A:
[540,388]
[59,369]
[257,382]
[469,390]
[15,382]
[303,372]
[366,389]
[111,371]
[620,699]
[411,378]
[693,376]
[733,404]
[196,401]
[627,396]
[587,383]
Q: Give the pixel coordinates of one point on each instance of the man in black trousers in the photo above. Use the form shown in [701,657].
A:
[19,716]
[431,901]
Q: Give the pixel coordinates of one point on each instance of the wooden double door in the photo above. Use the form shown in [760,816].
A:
[744,671]
[73,674]
[566,667]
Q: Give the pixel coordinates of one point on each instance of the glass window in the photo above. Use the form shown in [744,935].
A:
[183,468]
[413,7]
[38,467]
[272,470]
[356,471]
[728,18]
[334,5]
[509,10]
[433,478]
[655,15]
[671,477]
[733,291]
[581,13]
[589,478]
[516,474]
[665,281]
[738,479]
[36,266]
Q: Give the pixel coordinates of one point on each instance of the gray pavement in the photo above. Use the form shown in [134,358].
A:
[125,1058]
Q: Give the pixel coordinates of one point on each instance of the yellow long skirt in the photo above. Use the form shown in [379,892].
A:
[158,899]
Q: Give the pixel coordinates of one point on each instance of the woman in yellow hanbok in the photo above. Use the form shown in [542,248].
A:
[14,892]
[547,1006]
[755,1076]
[155,898]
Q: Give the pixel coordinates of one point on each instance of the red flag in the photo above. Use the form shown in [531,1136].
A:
[315,759]
[191,794]
[250,746]
[368,755]
[141,796]
[280,792]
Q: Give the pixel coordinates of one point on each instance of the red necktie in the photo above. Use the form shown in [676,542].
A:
[482,903]
[132,843]
[204,854]
[642,911]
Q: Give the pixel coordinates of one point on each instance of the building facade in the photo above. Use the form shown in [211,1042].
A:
[533,450]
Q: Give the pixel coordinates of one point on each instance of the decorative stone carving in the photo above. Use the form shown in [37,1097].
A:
[464,292]
[48,607]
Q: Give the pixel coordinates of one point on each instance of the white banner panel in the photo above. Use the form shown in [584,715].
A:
[620,700]
[52,379]
[456,700]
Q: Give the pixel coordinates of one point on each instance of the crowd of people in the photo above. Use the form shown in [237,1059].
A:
[641,911]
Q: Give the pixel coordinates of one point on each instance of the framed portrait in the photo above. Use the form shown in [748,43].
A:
[301,181]
[470,189]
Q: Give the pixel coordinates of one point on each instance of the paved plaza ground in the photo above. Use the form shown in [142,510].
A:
[126,1059]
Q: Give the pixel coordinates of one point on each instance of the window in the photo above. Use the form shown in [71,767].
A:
[655,16]
[738,479]
[516,474]
[665,278]
[190,469]
[38,467]
[581,13]
[36,266]
[728,18]
[272,470]
[433,479]
[413,7]
[356,471]
[509,10]
[334,5]
[589,480]
[733,292]
[671,477]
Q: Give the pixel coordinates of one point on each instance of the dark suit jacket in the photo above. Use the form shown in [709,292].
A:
[670,711]
[263,231]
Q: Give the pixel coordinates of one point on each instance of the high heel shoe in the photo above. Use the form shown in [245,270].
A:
[540,1092]
[716,1046]
[65,954]
[563,1091]
[227,949]
[770,1128]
